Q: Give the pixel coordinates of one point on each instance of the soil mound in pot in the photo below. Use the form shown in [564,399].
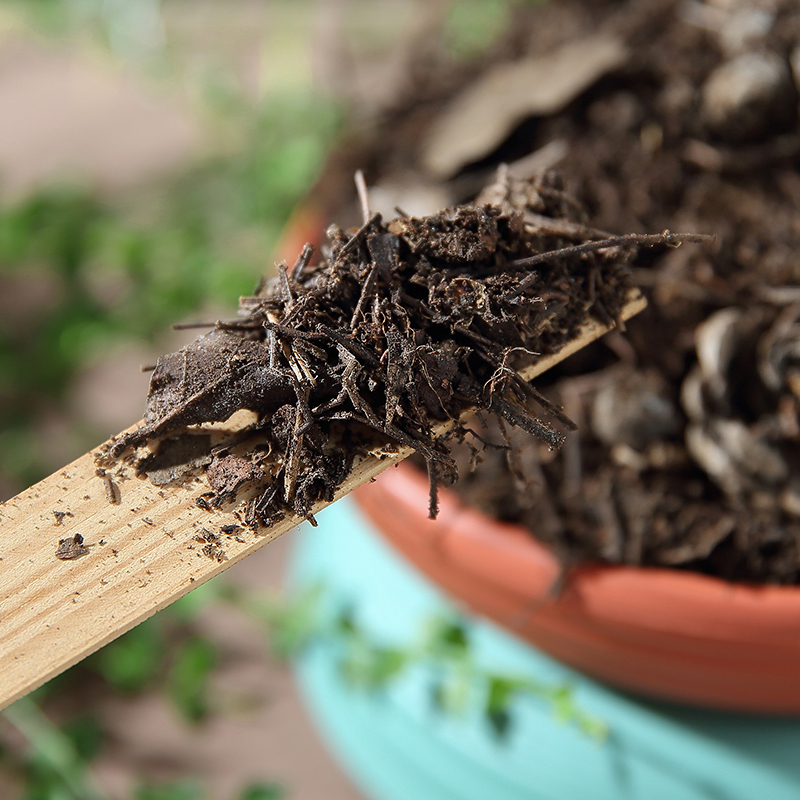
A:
[688,452]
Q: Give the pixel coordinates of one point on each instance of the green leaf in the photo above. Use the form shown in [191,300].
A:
[498,701]
[500,722]
[293,622]
[499,694]
[387,664]
[131,662]
[86,736]
[593,727]
[447,638]
[567,710]
[563,702]
[371,667]
[456,689]
[189,677]
[177,790]
[263,791]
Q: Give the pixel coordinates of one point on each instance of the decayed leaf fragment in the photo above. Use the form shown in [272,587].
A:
[481,117]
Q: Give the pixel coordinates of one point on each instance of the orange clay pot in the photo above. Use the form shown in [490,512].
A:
[665,633]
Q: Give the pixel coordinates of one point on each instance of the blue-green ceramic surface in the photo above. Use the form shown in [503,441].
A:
[397,746]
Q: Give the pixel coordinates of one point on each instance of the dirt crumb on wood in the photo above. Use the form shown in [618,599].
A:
[113,493]
[213,545]
[71,548]
[226,473]
[233,531]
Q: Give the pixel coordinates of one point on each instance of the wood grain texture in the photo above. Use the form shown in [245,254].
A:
[142,554]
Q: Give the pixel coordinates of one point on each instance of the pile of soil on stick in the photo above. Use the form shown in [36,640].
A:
[398,326]
[688,448]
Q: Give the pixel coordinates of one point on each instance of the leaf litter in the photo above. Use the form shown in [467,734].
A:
[399,325]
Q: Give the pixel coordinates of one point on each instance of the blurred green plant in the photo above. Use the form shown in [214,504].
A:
[132,29]
[191,670]
[164,653]
[472,26]
[444,649]
[161,655]
[55,765]
[263,791]
[84,274]
[192,790]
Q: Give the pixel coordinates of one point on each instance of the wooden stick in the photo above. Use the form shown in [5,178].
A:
[141,556]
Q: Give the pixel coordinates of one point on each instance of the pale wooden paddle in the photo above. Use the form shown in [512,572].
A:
[142,553]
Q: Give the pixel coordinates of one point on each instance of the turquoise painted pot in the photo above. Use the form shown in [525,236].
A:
[397,746]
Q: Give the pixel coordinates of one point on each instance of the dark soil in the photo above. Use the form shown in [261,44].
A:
[398,326]
[688,453]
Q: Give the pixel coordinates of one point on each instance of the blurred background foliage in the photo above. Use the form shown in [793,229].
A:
[106,277]
[167,654]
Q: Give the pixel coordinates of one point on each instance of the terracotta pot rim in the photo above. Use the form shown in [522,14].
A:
[667,633]
[510,541]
